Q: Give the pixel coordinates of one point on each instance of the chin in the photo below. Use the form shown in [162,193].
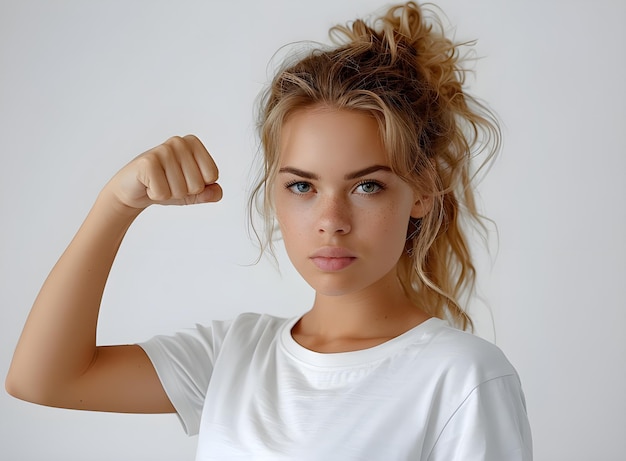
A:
[334,286]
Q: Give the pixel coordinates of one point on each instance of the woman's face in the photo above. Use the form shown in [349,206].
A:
[342,212]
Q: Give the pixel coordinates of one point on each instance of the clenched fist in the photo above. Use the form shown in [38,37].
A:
[178,172]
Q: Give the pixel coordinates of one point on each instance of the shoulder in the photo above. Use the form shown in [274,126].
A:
[208,339]
[482,404]
[479,397]
[256,324]
[464,357]
[251,324]
[253,330]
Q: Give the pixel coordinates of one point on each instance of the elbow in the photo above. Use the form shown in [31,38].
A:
[16,388]
[10,387]
[26,390]
[13,387]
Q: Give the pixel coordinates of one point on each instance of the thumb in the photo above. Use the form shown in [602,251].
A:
[211,193]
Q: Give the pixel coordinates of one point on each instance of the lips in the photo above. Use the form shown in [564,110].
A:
[332,259]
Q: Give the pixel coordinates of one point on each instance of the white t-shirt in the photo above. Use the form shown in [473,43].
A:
[252,392]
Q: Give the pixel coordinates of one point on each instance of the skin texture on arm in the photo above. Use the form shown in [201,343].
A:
[56,361]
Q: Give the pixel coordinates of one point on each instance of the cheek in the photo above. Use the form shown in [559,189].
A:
[392,226]
[291,219]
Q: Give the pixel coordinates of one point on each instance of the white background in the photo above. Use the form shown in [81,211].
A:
[86,86]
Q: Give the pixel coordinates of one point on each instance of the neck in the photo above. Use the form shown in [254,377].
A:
[358,320]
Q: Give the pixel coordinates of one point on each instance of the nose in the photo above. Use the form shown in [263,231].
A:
[334,216]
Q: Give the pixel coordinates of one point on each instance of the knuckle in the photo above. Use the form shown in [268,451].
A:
[147,162]
[175,144]
[174,140]
[165,150]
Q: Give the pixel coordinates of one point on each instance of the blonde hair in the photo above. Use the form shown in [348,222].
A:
[401,69]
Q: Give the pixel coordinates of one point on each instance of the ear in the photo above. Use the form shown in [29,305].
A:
[422,205]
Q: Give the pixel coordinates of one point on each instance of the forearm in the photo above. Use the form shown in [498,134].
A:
[56,361]
[58,342]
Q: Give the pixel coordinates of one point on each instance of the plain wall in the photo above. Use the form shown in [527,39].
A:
[86,86]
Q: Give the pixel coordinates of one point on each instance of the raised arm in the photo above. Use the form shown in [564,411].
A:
[56,361]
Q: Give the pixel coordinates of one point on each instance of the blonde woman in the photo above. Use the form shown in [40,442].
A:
[367,172]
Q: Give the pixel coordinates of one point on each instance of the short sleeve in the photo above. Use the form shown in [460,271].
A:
[490,425]
[184,363]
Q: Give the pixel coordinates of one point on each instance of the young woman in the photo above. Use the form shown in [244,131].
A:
[367,174]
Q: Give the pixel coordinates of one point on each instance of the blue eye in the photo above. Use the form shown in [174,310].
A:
[369,187]
[299,187]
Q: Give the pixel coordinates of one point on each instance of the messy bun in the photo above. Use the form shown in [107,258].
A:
[401,69]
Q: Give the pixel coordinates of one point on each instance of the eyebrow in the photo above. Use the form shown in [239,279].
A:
[354,175]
